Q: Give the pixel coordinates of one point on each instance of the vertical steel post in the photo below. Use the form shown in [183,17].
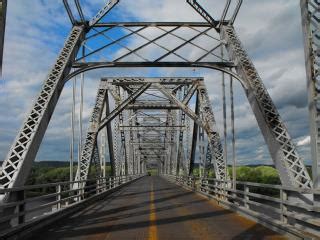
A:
[224,112]
[234,159]
[74,82]
[194,138]
[110,138]
[81,111]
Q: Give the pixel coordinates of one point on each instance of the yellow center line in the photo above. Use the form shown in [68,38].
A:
[153,231]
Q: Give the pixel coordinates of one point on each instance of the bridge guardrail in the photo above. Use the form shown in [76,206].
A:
[272,205]
[32,202]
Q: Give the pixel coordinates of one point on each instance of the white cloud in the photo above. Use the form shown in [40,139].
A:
[304,141]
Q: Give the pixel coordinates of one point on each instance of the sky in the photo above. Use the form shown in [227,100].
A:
[270,31]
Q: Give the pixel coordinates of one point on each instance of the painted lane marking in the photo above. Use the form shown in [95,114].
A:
[153,231]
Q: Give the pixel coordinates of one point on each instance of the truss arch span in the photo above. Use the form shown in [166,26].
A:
[87,68]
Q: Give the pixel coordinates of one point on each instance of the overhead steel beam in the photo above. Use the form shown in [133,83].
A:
[155,24]
[3,16]
[148,128]
[95,65]
[163,80]
[78,6]
[151,106]
[196,6]
[70,14]
[109,5]
[236,11]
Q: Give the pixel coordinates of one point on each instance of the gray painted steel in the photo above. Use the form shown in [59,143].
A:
[16,167]
[3,13]
[310,10]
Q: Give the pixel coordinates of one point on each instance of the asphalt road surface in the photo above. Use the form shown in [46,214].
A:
[152,208]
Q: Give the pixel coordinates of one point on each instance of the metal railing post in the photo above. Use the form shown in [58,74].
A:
[21,207]
[97,186]
[246,197]
[283,207]
[207,186]
[58,197]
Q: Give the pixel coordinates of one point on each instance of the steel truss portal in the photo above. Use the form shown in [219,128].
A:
[156,44]
[149,133]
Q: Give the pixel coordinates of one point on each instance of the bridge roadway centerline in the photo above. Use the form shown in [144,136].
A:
[152,208]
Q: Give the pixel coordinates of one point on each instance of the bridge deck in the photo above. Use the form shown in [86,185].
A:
[152,208]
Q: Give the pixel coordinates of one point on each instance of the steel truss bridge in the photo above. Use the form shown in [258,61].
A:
[165,123]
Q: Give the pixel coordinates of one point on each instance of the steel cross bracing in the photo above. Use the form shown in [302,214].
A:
[167,46]
[97,162]
[311,28]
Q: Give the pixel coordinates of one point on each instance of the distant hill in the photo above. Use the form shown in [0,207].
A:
[52,164]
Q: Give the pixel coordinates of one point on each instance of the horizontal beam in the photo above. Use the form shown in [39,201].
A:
[94,65]
[140,80]
[152,106]
[224,67]
[149,126]
[155,24]
[152,143]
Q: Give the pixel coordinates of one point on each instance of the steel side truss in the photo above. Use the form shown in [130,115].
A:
[290,166]
[88,150]
[96,124]
[310,10]
[17,165]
